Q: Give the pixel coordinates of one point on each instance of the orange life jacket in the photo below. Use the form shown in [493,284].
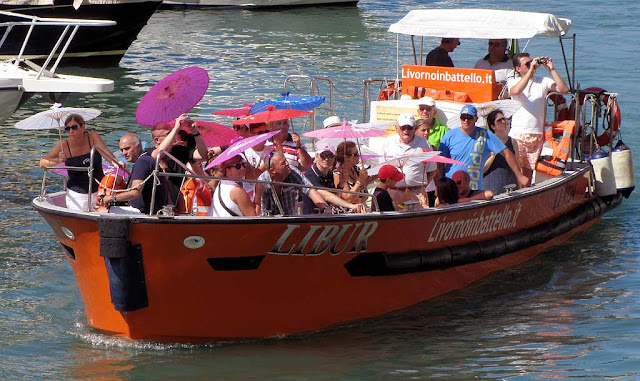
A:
[199,189]
[108,184]
[555,153]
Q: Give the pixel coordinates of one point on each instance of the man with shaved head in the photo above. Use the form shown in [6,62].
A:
[140,193]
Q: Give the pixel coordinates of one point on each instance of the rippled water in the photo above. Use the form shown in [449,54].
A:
[570,312]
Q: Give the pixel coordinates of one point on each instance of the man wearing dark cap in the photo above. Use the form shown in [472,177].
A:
[320,174]
[440,55]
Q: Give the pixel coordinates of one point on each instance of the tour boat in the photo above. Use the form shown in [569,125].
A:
[254,4]
[190,278]
[90,47]
[20,78]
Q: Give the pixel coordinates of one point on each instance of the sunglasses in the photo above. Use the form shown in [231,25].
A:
[466,117]
[500,120]
[352,154]
[528,64]
[327,155]
[72,127]
[424,108]
[497,44]
[406,128]
[238,165]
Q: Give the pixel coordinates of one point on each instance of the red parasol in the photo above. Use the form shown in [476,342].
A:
[215,134]
[173,96]
[271,115]
[242,111]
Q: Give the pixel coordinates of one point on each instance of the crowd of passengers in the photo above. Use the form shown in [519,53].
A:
[491,158]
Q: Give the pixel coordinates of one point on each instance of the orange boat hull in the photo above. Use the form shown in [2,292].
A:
[212,279]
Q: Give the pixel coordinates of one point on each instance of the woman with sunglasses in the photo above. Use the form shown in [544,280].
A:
[497,173]
[347,176]
[230,199]
[75,151]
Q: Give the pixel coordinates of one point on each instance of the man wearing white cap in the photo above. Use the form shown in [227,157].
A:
[427,111]
[321,175]
[472,145]
[406,142]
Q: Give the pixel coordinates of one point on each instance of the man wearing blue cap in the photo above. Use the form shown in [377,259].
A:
[472,145]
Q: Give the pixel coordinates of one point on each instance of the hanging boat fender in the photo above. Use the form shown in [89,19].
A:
[196,196]
[622,162]
[603,171]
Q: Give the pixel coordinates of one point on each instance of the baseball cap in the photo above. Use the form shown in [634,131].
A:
[390,172]
[469,109]
[406,119]
[323,146]
[427,101]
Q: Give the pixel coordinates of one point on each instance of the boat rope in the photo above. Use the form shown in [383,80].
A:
[132,188]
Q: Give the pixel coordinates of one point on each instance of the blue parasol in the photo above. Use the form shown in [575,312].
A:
[286,102]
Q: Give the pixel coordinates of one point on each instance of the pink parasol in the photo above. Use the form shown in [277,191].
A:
[345,131]
[443,159]
[271,115]
[240,146]
[173,96]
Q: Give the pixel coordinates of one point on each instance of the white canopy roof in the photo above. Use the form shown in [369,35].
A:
[480,23]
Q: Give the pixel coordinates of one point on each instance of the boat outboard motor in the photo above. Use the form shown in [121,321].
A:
[603,171]
[622,162]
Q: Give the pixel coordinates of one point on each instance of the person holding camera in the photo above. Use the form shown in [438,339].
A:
[527,125]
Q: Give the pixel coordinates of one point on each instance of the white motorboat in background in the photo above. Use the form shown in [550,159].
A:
[90,47]
[251,4]
[20,78]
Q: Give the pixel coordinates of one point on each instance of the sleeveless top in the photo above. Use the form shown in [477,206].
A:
[499,173]
[221,195]
[79,180]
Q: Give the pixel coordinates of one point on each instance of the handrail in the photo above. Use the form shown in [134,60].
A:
[157,173]
[64,39]
[256,181]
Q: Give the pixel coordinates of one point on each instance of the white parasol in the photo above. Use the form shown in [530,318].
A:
[53,117]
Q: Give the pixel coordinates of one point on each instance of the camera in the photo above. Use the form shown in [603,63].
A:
[541,61]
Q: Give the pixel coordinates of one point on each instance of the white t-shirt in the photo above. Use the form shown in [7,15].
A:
[256,158]
[412,170]
[502,70]
[529,118]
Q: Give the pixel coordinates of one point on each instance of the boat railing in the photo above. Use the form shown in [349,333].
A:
[89,170]
[393,85]
[70,28]
[190,174]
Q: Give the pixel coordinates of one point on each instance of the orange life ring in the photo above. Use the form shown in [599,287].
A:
[561,106]
[199,189]
[612,112]
[389,92]
[554,154]
[108,184]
